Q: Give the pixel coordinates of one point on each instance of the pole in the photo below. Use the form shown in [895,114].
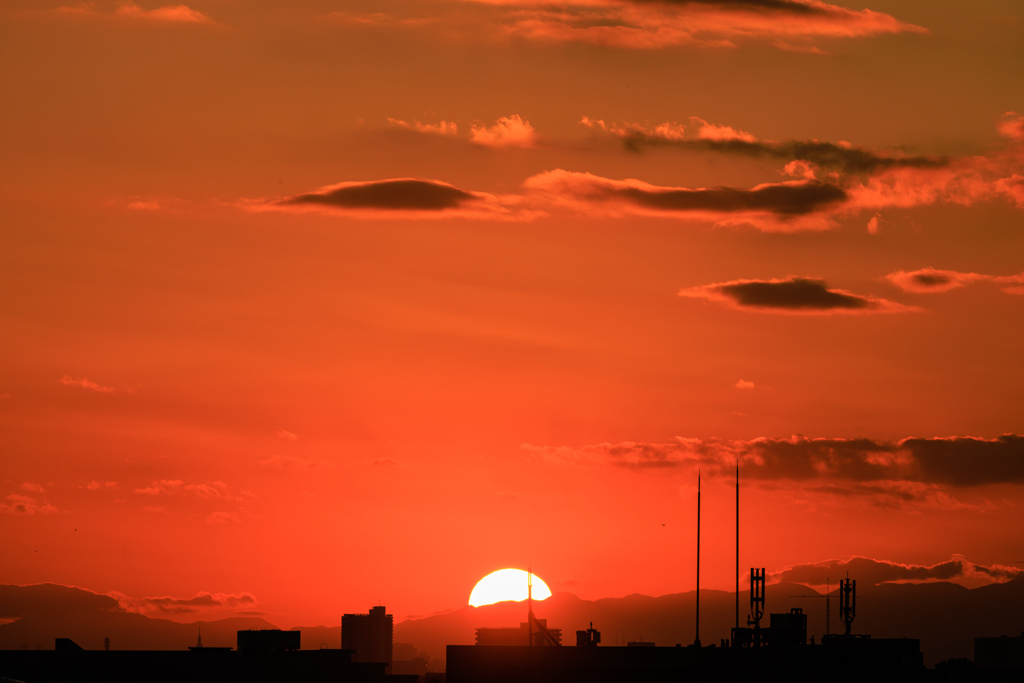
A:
[529,605]
[696,642]
[737,547]
[828,606]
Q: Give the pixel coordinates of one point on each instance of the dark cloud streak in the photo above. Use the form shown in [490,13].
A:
[849,160]
[404,194]
[956,461]
[786,199]
[777,6]
[798,293]
[870,572]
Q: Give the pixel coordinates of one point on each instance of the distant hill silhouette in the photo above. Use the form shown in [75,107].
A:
[48,611]
[946,618]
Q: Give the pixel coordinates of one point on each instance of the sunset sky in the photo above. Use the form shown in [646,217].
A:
[311,305]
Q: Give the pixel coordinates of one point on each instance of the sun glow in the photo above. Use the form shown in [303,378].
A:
[506,584]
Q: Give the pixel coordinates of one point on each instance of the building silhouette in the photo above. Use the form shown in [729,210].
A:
[369,636]
[517,636]
[263,656]
[1005,653]
[266,640]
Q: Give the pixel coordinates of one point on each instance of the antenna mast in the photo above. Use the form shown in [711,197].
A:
[696,642]
[737,545]
[529,603]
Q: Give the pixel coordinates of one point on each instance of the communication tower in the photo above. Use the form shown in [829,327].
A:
[847,602]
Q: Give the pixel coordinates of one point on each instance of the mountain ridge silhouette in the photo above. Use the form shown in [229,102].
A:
[946,617]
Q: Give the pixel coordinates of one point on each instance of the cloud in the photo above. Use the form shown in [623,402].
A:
[161,486]
[508,131]
[398,197]
[97,485]
[648,24]
[85,383]
[202,601]
[23,505]
[385,462]
[153,509]
[873,224]
[142,205]
[285,434]
[1011,125]
[791,295]
[870,180]
[890,472]
[131,11]
[707,137]
[784,206]
[288,462]
[872,572]
[215,489]
[30,486]
[742,384]
[440,128]
[930,280]
[223,518]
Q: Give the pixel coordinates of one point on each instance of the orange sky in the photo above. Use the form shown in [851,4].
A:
[337,302]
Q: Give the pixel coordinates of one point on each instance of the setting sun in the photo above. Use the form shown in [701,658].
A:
[506,584]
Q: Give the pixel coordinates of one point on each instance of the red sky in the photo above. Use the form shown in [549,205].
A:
[328,303]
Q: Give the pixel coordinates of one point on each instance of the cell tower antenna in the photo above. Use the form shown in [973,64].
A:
[696,642]
[847,602]
[756,602]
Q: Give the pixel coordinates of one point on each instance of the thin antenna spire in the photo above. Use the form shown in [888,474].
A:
[696,642]
[529,603]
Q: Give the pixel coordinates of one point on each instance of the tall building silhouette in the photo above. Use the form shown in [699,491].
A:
[370,636]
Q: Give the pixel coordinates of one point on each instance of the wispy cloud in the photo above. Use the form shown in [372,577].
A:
[223,518]
[85,383]
[161,486]
[98,485]
[860,179]
[289,462]
[181,14]
[439,128]
[791,295]
[17,504]
[285,434]
[508,131]
[701,136]
[931,280]
[646,24]
[783,207]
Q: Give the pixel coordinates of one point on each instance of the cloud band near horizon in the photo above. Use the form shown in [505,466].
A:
[955,461]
